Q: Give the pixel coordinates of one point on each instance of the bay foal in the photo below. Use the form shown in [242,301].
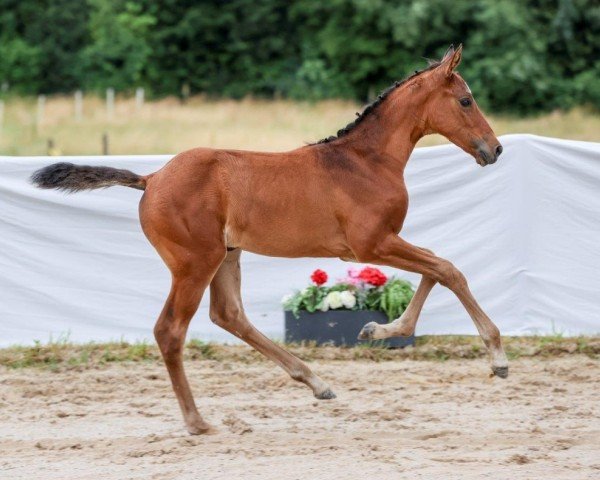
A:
[341,197]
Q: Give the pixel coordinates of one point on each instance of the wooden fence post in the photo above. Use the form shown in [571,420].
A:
[139,98]
[105,143]
[185,92]
[78,105]
[41,105]
[110,102]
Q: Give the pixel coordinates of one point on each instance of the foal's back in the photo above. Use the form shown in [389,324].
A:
[278,204]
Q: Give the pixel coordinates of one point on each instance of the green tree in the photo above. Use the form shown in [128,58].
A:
[44,37]
[118,54]
[522,56]
[19,65]
[231,48]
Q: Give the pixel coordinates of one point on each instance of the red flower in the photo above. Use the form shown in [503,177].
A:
[319,277]
[373,276]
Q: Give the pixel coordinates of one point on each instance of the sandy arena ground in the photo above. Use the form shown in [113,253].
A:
[393,420]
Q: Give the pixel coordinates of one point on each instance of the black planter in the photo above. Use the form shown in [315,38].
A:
[337,327]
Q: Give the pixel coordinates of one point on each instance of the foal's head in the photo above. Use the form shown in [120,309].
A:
[451,111]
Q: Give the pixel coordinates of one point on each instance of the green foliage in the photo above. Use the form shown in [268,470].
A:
[392,298]
[206,350]
[521,56]
[309,299]
[52,34]
[369,298]
[19,63]
[395,297]
[119,50]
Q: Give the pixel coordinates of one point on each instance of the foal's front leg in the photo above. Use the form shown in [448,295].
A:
[395,252]
[404,326]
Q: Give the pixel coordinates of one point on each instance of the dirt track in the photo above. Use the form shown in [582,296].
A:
[396,419]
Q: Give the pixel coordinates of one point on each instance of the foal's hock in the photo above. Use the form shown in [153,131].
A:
[341,197]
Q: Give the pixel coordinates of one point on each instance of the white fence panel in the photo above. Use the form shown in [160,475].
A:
[525,231]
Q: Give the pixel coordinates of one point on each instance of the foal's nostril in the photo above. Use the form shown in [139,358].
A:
[498,150]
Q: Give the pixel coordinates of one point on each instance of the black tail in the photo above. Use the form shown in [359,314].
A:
[74,178]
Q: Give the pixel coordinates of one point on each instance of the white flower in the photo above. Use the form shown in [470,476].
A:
[324,305]
[348,299]
[334,300]
[286,298]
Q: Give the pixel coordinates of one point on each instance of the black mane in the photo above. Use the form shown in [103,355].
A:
[369,109]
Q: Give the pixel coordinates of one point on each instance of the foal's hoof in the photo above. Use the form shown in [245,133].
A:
[368,331]
[201,429]
[501,372]
[326,395]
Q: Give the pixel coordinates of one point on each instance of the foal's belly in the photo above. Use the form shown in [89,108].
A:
[289,236]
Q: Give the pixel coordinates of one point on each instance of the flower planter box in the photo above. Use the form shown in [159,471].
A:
[337,327]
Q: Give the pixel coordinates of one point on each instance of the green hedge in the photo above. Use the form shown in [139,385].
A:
[520,56]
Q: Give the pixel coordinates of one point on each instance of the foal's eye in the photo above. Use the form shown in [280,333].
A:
[465,102]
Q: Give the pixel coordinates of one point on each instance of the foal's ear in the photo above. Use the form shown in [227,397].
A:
[451,59]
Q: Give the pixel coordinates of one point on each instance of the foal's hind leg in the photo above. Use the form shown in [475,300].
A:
[227,311]
[189,282]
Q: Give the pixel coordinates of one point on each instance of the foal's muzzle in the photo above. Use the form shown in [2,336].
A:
[487,155]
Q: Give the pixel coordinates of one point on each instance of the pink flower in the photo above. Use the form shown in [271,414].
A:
[352,277]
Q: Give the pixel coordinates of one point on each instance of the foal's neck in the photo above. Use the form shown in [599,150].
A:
[393,129]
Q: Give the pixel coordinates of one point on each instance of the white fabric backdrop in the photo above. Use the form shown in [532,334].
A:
[525,232]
